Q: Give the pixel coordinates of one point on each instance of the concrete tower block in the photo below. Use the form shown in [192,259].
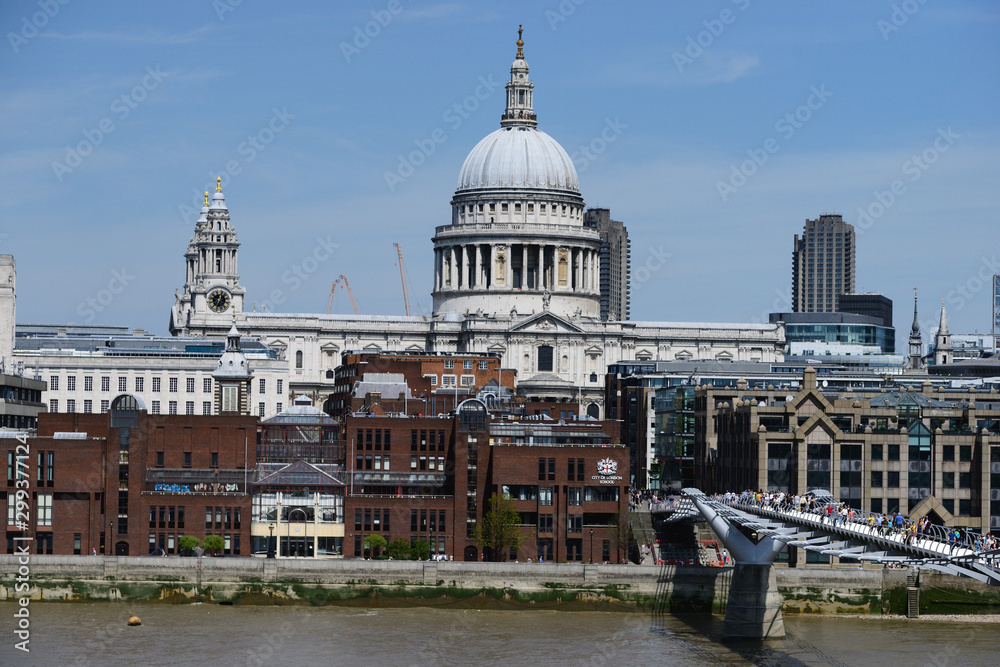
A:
[8,280]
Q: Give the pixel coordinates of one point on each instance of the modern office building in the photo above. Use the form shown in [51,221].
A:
[20,403]
[869,304]
[833,327]
[919,450]
[822,265]
[615,271]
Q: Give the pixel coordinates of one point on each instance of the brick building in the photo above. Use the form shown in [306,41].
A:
[128,482]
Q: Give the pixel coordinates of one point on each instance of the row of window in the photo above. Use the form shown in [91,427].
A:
[467,364]
[138,383]
[424,441]
[279,385]
[371,520]
[547,470]
[170,543]
[155,407]
[436,546]
[44,471]
[574,523]
[374,439]
[947,479]
[224,518]
[163,516]
[43,509]
[452,380]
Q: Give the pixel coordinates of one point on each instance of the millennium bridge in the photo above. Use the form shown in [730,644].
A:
[755,528]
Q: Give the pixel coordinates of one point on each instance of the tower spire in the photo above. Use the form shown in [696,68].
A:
[915,361]
[520,91]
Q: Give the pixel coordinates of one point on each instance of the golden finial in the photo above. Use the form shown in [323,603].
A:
[218,183]
[206,197]
[520,43]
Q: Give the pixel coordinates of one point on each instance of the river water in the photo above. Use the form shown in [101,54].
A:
[65,634]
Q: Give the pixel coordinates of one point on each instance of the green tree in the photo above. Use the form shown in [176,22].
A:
[421,549]
[213,543]
[375,544]
[188,543]
[398,549]
[499,531]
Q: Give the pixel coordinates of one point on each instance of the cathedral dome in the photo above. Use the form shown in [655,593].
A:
[518,157]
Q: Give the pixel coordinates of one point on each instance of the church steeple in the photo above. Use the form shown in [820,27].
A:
[915,360]
[943,353]
[520,90]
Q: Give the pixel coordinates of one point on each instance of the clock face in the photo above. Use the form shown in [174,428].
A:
[219,301]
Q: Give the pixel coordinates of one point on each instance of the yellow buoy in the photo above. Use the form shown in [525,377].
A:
[134,621]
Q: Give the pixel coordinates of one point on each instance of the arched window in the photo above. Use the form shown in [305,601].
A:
[593,411]
[298,359]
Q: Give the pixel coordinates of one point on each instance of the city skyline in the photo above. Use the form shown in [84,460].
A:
[680,121]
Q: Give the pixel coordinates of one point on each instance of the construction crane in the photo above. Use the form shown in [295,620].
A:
[350,294]
[333,291]
[402,277]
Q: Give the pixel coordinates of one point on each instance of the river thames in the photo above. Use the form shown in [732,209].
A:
[96,634]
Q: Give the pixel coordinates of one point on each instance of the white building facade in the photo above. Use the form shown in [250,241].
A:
[516,274]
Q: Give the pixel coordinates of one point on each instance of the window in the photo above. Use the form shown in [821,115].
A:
[156,384]
[575,523]
[483,365]
[545,495]
[545,358]
[433,379]
[76,544]
[44,509]
[544,523]
[278,407]
[262,385]
[893,452]
[876,452]
[877,505]
[206,407]
[230,398]
[468,380]
[206,385]
[965,453]
[278,384]
[298,358]
[122,384]
[575,496]
[159,459]
[541,470]
[88,383]
[579,470]
[53,383]
[155,410]
[88,406]
[260,409]
[173,385]
[449,363]
[467,364]
[70,405]
[70,383]
[215,460]
[139,382]
[448,381]
[876,478]
[187,459]
[53,405]
[965,507]
[105,404]
[189,385]
[893,478]
[948,480]
[189,408]
[965,480]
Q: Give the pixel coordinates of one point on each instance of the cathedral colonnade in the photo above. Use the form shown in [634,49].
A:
[539,266]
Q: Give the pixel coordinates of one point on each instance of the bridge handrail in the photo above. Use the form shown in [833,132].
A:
[940,538]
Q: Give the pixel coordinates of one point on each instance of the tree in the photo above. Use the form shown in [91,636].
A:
[187,544]
[213,543]
[398,549]
[499,531]
[421,549]
[375,544]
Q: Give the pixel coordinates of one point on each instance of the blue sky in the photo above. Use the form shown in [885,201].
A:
[304,116]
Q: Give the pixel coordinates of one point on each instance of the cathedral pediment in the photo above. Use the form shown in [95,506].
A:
[546,322]
[594,350]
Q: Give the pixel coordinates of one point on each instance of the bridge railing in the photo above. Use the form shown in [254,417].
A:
[934,538]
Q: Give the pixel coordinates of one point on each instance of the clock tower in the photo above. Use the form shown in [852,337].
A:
[212,291]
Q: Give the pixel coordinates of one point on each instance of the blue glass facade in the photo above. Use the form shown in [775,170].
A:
[852,334]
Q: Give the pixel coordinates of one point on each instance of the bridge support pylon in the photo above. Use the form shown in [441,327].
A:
[753,610]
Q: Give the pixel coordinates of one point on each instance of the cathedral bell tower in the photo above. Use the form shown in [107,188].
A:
[212,284]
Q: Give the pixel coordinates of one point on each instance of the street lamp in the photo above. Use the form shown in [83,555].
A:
[107,545]
[270,541]
[591,545]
